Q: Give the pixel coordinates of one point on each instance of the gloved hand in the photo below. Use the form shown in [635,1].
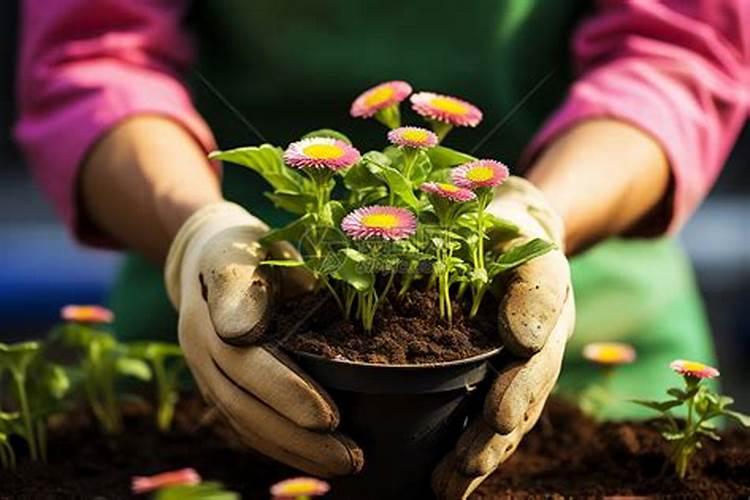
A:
[536,317]
[224,300]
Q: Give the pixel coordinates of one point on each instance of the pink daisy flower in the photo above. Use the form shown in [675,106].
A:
[609,353]
[181,477]
[87,314]
[299,487]
[446,109]
[413,137]
[388,223]
[321,152]
[379,97]
[479,174]
[693,369]
[448,191]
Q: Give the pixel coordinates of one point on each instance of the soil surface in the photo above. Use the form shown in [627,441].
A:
[407,330]
[569,455]
[566,455]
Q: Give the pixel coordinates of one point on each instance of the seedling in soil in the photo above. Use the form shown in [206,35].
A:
[299,488]
[607,357]
[10,424]
[415,209]
[166,362]
[703,405]
[182,484]
[35,397]
[103,362]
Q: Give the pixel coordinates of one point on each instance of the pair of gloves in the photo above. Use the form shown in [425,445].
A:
[224,301]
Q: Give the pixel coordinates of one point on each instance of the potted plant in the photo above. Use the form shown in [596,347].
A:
[397,241]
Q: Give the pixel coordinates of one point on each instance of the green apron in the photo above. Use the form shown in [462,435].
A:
[292,67]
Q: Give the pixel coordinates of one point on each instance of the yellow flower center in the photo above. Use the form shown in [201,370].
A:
[379,96]
[323,151]
[380,221]
[480,174]
[449,188]
[448,105]
[693,366]
[415,135]
[300,488]
[610,354]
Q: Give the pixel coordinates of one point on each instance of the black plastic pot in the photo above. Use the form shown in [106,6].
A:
[405,418]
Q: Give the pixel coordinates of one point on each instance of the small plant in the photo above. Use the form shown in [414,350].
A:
[703,405]
[166,362]
[103,361]
[38,387]
[607,357]
[10,424]
[182,484]
[416,209]
[299,488]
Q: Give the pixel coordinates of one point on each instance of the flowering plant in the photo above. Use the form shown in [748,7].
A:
[703,405]
[414,210]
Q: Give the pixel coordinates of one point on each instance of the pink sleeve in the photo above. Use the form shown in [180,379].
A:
[677,69]
[84,66]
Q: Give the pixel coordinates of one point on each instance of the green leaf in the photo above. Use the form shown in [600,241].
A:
[209,490]
[267,161]
[327,132]
[377,158]
[18,357]
[518,255]
[442,157]
[333,212]
[499,230]
[291,201]
[400,185]
[738,417]
[360,177]
[660,406]
[133,367]
[282,263]
[352,270]
[291,232]
[678,393]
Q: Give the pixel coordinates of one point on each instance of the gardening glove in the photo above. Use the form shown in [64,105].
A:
[536,317]
[224,301]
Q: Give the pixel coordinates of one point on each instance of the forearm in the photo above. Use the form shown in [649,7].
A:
[604,177]
[142,180]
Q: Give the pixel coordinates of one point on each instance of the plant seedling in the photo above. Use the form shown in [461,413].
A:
[703,405]
[182,484]
[415,208]
[607,357]
[166,362]
[103,361]
[10,424]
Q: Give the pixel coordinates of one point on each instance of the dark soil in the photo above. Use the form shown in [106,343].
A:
[566,455]
[570,455]
[85,465]
[407,330]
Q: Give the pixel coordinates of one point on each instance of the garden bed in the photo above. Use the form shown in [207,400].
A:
[567,454]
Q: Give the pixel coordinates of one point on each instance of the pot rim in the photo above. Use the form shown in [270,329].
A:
[401,366]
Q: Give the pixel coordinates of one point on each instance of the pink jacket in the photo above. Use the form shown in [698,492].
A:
[677,69]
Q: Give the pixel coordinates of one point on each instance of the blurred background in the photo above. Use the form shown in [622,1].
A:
[43,269]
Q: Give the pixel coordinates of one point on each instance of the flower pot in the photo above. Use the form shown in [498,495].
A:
[405,418]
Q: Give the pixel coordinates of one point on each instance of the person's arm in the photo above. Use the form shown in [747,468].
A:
[663,92]
[143,180]
[603,177]
[98,85]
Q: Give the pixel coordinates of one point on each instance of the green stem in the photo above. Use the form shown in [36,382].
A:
[441,129]
[23,401]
